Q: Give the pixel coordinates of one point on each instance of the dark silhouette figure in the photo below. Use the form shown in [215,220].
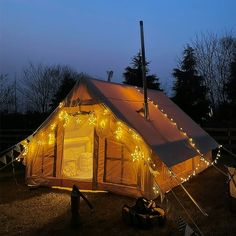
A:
[75,206]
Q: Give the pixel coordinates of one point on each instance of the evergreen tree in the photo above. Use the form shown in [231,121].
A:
[189,92]
[133,74]
[69,78]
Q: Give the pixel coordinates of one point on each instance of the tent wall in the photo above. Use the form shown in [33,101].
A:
[232,181]
[125,155]
[182,171]
[133,178]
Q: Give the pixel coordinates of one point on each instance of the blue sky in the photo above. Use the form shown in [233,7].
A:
[94,36]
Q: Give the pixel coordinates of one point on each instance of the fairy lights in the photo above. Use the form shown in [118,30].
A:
[92,119]
[135,136]
[137,155]
[53,126]
[153,172]
[106,112]
[64,116]
[101,119]
[61,104]
[155,190]
[40,142]
[119,131]
[78,121]
[103,123]
[218,155]
[190,141]
[51,138]
[26,148]
[195,171]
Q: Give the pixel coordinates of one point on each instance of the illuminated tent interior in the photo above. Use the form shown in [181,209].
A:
[98,139]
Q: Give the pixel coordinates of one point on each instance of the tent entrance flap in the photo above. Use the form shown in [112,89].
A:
[119,168]
[78,149]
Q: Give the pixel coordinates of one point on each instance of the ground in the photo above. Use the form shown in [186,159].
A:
[46,211]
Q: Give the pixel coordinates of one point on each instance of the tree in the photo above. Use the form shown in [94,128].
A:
[214,56]
[6,94]
[133,74]
[231,86]
[189,92]
[41,84]
[69,80]
[228,110]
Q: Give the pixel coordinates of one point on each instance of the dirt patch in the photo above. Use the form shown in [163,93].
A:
[46,211]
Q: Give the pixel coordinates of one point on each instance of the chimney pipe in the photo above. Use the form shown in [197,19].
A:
[146,113]
[109,75]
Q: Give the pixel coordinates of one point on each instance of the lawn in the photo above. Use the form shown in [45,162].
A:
[46,211]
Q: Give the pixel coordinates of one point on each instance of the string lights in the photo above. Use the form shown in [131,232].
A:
[53,126]
[101,119]
[137,155]
[119,131]
[78,121]
[218,155]
[61,104]
[92,119]
[103,123]
[64,116]
[25,148]
[51,138]
[190,141]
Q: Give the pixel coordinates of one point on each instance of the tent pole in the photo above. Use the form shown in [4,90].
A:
[186,212]
[189,195]
[177,199]
[219,170]
[146,113]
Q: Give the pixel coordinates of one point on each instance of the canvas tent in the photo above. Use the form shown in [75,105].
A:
[99,139]
[232,181]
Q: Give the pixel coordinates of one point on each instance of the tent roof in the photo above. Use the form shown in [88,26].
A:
[163,137]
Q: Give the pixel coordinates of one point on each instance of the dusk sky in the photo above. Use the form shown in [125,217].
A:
[93,36]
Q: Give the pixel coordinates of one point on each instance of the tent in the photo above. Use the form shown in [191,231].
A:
[99,139]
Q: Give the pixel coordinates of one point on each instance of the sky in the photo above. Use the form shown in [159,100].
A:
[94,36]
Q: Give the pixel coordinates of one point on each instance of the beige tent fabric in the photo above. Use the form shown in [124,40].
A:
[232,182]
[158,132]
[98,139]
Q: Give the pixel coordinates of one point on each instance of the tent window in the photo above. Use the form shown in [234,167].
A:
[119,168]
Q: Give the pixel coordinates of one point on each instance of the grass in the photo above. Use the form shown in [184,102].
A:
[46,211]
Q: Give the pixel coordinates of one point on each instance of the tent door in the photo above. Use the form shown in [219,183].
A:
[118,166]
[78,151]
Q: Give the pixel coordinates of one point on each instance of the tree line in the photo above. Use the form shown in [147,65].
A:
[204,84]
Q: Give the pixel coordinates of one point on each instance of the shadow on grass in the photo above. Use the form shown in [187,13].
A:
[51,209]
[210,190]
[105,220]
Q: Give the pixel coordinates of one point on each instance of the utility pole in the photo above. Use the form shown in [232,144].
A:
[146,112]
